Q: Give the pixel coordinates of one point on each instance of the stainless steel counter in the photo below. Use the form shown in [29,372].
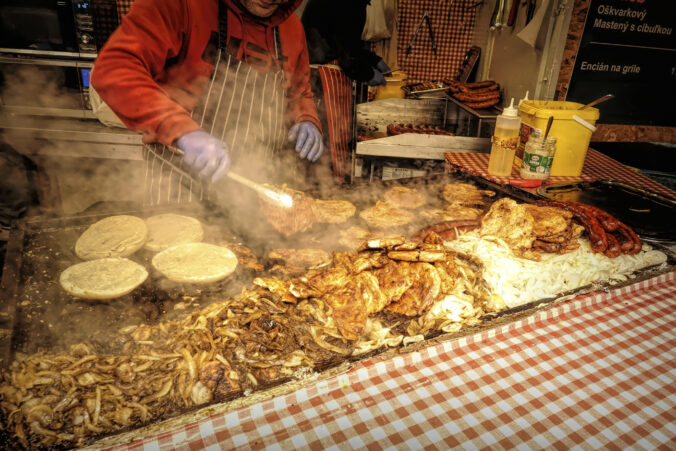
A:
[64,137]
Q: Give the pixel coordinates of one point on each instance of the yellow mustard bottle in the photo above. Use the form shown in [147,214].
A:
[504,141]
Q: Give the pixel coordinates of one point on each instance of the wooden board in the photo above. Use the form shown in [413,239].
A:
[419,146]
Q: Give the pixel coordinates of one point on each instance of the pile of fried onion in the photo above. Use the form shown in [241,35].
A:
[228,349]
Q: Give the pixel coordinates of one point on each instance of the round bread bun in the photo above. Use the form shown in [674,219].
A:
[195,263]
[169,229]
[114,236]
[105,278]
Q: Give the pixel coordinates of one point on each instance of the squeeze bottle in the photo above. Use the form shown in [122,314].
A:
[504,141]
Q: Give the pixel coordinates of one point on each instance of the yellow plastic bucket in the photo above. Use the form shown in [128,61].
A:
[572,128]
[392,90]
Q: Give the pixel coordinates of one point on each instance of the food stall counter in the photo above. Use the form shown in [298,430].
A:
[595,371]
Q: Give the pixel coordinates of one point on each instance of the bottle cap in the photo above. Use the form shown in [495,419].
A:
[510,111]
[524,98]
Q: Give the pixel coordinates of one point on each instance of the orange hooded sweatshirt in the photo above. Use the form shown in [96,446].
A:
[155,66]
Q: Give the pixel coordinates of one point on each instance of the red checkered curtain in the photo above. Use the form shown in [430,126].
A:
[452,25]
[338,101]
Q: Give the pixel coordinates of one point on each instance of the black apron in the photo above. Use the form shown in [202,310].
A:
[242,107]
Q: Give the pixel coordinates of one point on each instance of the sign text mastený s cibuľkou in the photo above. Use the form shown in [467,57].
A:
[627,13]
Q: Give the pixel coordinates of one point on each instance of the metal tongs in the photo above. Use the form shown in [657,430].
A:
[279,199]
[425,18]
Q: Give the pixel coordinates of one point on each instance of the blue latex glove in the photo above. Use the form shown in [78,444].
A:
[206,154]
[378,79]
[383,67]
[308,139]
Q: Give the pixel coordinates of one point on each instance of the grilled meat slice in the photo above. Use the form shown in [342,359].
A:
[245,256]
[404,197]
[425,289]
[395,279]
[451,212]
[548,221]
[287,221]
[333,211]
[297,261]
[466,194]
[353,237]
[512,223]
[383,215]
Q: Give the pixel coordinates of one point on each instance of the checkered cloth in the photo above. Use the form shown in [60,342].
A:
[123,8]
[337,88]
[452,34]
[594,372]
[106,20]
[596,166]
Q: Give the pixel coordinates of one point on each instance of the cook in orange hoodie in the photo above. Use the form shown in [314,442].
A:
[209,76]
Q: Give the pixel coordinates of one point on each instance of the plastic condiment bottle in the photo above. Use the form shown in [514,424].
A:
[504,141]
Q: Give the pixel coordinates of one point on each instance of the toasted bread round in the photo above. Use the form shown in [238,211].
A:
[195,263]
[114,236]
[169,229]
[105,278]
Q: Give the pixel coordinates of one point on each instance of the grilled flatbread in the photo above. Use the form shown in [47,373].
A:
[105,278]
[195,263]
[114,236]
[333,211]
[404,197]
[170,229]
[383,215]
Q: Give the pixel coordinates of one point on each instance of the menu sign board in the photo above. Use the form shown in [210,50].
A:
[628,48]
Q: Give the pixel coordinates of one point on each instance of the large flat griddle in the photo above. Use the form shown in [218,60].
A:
[650,214]
[42,316]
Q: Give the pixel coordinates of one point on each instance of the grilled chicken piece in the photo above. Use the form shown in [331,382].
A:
[278,287]
[383,215]
[333,211]
[395,279]
[425,289]
[512,223]
[353,237]
[287,221]
[300,258]
[466,194]
[245,256]
[403,197]
[418,255]
[383,243]
[548,221]
[452,212]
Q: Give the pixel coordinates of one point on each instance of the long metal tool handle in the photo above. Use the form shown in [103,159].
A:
[283,200]
[280,199]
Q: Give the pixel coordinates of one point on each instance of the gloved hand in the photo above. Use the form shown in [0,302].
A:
[205,154]
[378,79]
[308,140]
[383,67]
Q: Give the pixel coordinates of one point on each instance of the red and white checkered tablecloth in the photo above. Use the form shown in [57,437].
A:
[596,166]
[452,33]
[598,371]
